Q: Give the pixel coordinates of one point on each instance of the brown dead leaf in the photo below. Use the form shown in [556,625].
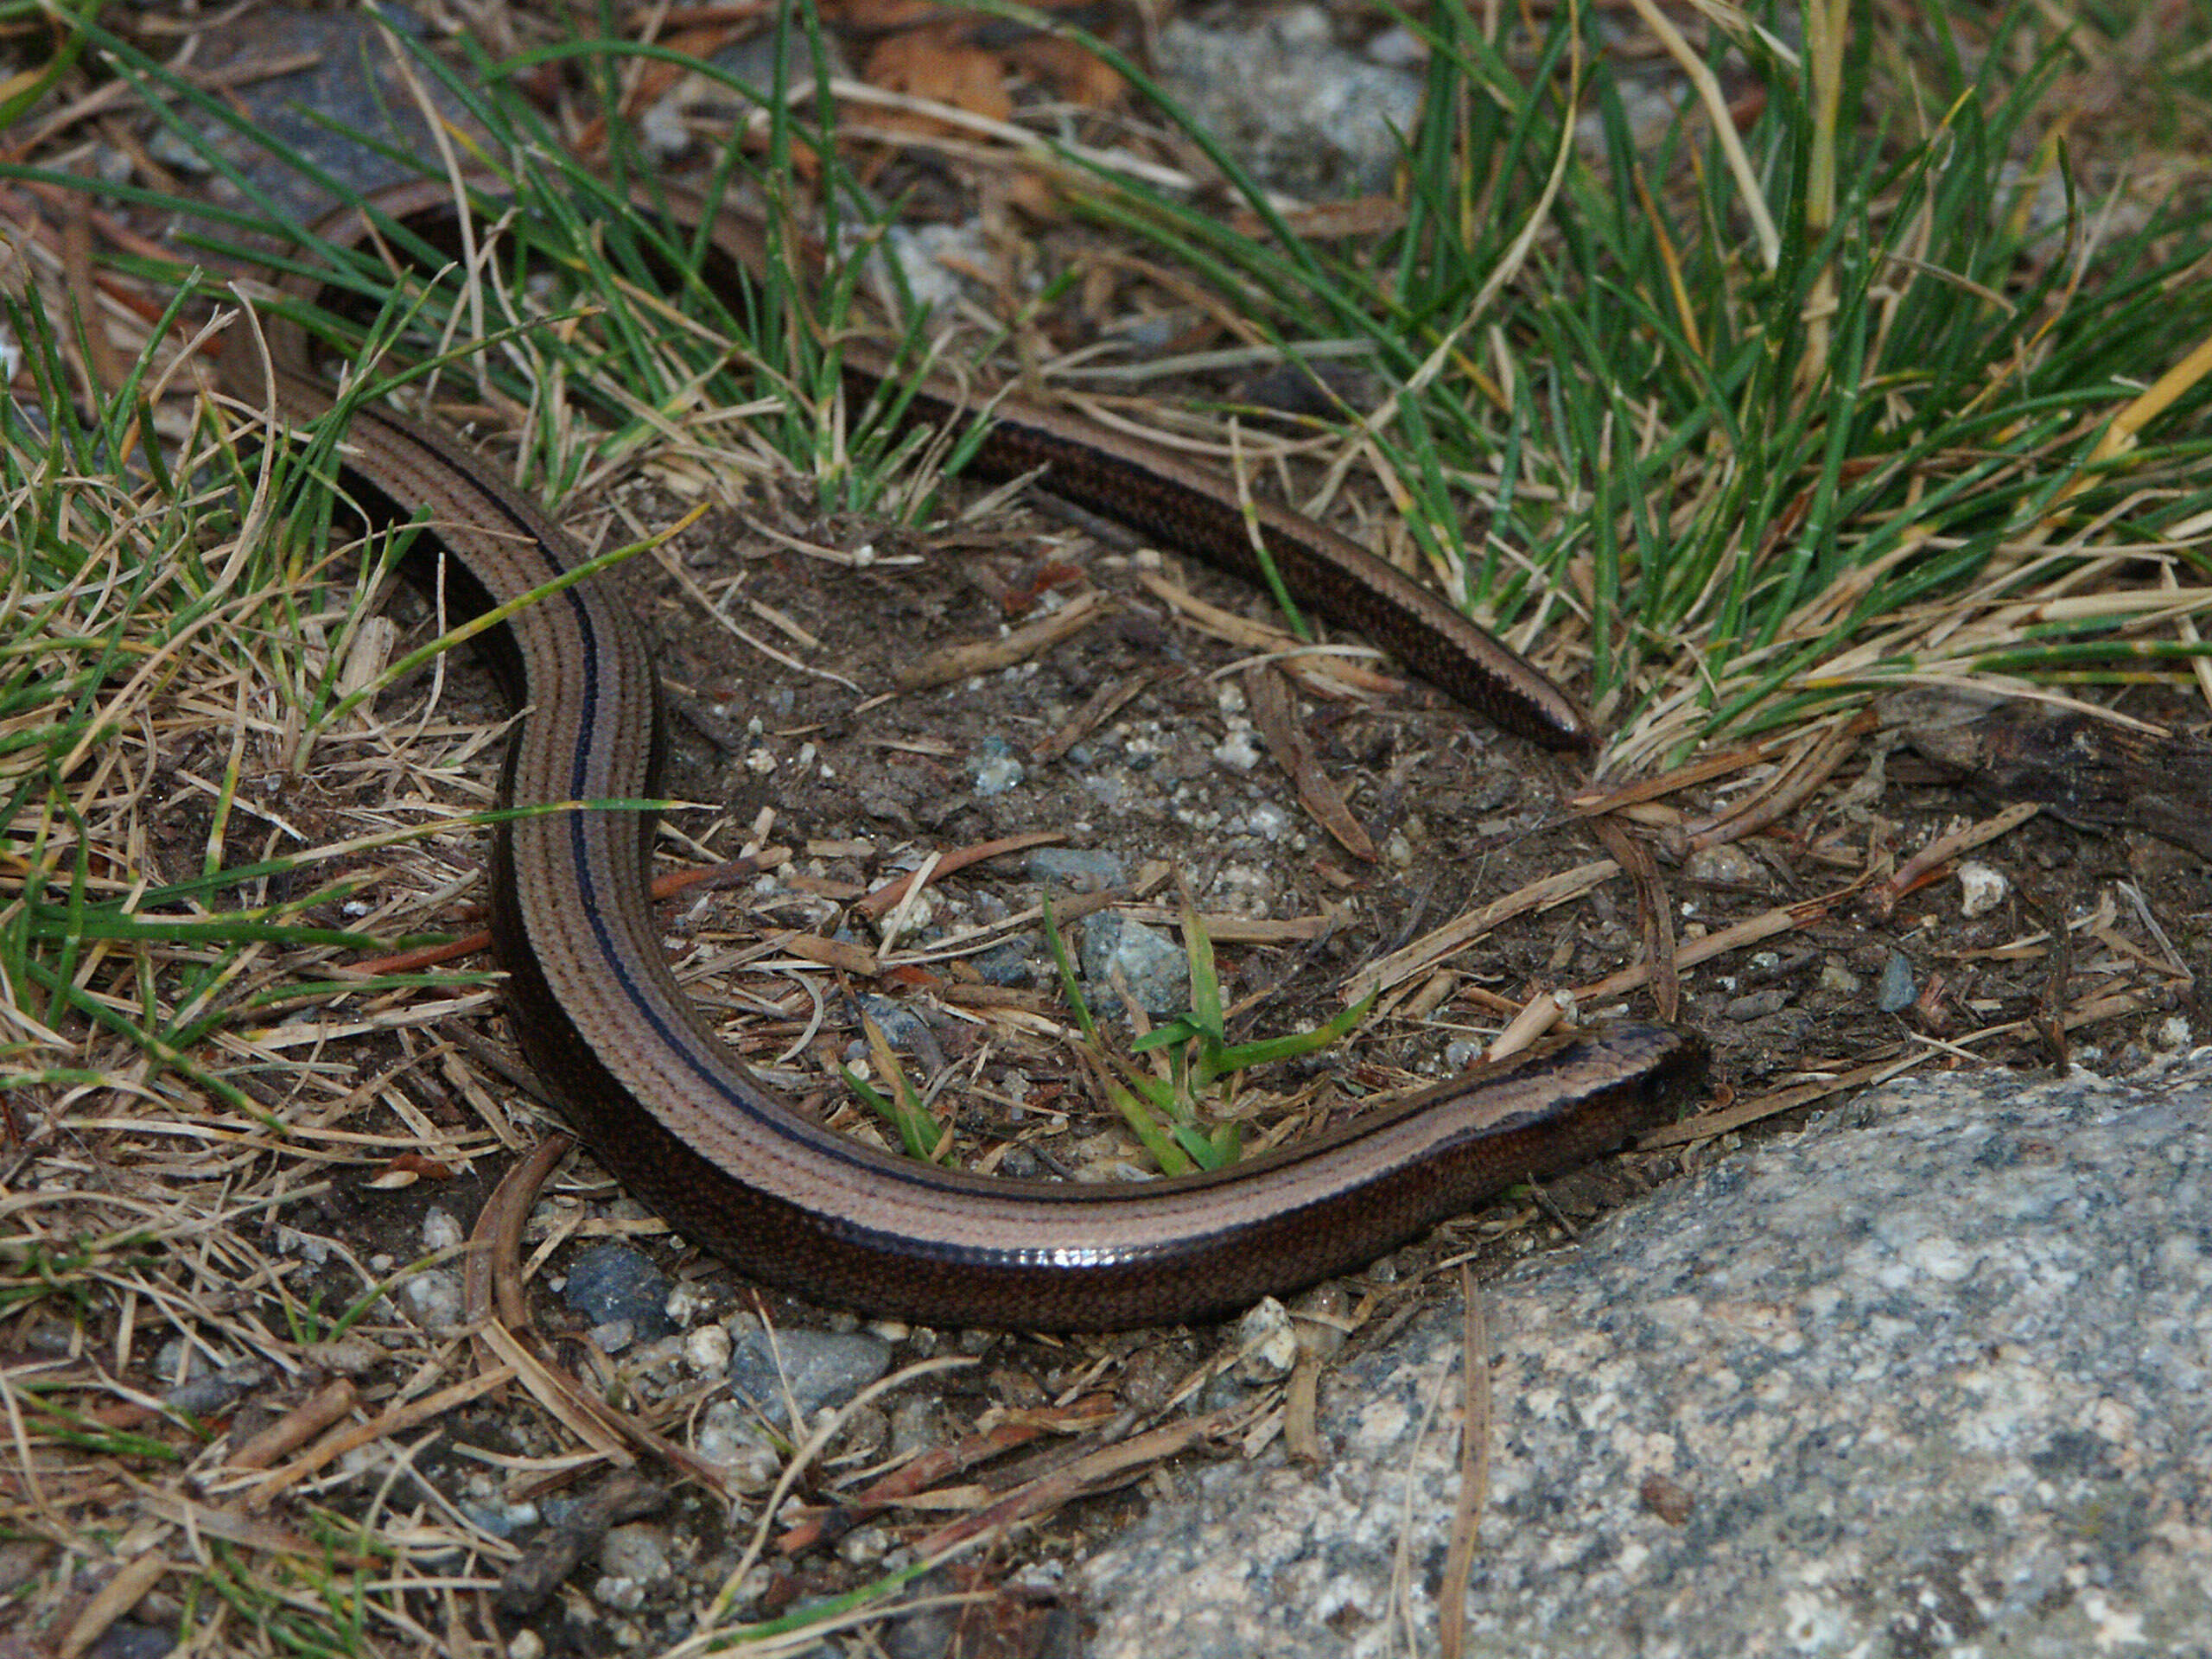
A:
[1076,75]
[1268,694]
[1034,194]
[1325,221]
[930,63]
[881,14]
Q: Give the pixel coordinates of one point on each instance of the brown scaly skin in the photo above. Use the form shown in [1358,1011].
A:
[665,1104]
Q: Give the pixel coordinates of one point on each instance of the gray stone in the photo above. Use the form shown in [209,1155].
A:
[1153,966]
[613,1284]
[128,1639]
[1897,988]
[638,1552]
[1928,1378]
[806,1370]
[1076,868]
[351,78]
[1301,112]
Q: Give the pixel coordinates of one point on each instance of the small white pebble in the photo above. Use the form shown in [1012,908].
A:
[1268,1342]
[706,1348]
[1240,749]
[1982,888]
[663,128]
[686,1304]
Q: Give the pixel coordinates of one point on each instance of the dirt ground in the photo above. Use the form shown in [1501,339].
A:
[1132,740]
[861,780]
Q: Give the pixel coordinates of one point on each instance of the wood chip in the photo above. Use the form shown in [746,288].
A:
[1273,713]
[558,1550]
[1425,953]
[2094,773]
[989,656]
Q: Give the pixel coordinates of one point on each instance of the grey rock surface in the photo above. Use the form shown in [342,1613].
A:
[340,71]
[801,1370]
[1303,114]
[611,1283]
[1928,1378]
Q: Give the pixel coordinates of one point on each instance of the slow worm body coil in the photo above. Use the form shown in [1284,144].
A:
[665,1105]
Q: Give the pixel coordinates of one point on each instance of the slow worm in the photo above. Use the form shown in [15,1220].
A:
[666,1106]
